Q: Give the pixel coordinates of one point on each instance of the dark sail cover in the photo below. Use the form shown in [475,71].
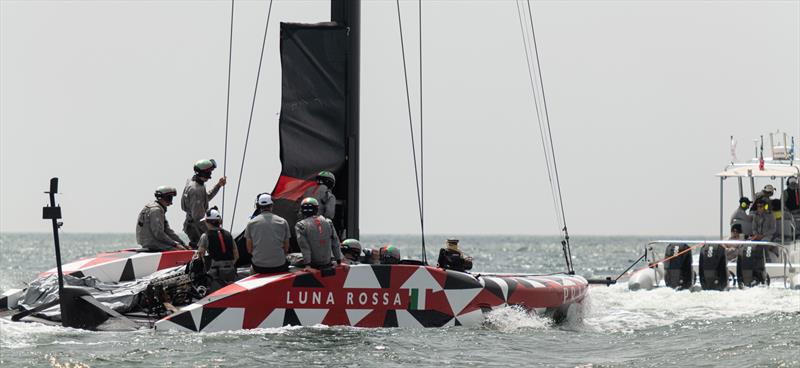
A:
[313,133]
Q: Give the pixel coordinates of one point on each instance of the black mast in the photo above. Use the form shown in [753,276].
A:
[348,13]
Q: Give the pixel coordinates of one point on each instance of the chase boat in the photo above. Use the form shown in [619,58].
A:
[719,264]
[319,130]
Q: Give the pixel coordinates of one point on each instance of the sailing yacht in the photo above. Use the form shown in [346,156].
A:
[319,130]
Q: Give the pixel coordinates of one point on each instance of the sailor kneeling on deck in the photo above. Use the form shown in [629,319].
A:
[267,236]
[351,251]
[316,237]
[451,257]
[152,229]
[221,250]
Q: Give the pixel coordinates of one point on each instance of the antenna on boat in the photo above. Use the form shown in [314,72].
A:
[53,213]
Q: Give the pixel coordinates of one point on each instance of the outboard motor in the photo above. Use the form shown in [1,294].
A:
[751,266]
[713,267]
[678,273]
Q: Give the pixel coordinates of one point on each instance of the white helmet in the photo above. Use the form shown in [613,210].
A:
[212,214]
[263,199]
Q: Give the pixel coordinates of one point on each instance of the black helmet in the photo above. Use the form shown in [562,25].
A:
[309,206]
[166,193]
[203,168]
[327,178]
[744,202]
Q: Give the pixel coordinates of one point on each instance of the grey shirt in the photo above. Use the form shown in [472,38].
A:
[268,232]
[194,202]
[741,217]
[152,229]
[317,240]
[765,225]
[326,199]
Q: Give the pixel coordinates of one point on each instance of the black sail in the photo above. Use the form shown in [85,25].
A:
[313,125]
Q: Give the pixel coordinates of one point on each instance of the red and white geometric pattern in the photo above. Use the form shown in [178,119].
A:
[372,296]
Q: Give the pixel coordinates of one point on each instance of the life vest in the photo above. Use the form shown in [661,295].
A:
[220,245]
[453,260]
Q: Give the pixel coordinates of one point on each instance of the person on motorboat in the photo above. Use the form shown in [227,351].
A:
[765,194]
[351,250]
[267,238]
[764,225]
[195,199]
[389,254]
[736,234]
[152,229]
[742,218]
[791,196]
[316,237]
[221,249]
[451,257]
[323,193]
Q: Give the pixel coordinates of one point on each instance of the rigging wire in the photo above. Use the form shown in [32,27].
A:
[252,108]
[411,128]
[538,114]
[421,143]
[227,107]
[555,187]
[550,136]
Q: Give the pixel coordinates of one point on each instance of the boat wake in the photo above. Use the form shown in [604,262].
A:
[514,318]
[615,309]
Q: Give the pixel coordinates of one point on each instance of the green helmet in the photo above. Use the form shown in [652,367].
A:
[166,193]
[204,167]
[389,254]
[327,178]
[309,206]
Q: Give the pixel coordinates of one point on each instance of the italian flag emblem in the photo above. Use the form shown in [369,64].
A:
[416,299]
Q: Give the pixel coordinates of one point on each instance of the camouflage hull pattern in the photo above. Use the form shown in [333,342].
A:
[372,296]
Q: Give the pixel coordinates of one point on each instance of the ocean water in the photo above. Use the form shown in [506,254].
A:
[614,328]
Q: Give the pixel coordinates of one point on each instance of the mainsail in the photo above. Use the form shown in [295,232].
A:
[313,120]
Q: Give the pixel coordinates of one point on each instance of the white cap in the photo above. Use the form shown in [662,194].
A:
[212,214]
[264,199]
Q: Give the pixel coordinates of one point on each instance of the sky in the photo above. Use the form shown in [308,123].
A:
[118,97]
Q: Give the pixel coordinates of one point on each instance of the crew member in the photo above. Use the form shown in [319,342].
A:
[323,193]
[791,196]
[741,218]
[316,237]
[389,254]
[221,249]
[764,226]
[451,257]
[351,250]
[267,238]
[195,199]
[764,194]
[371,256]
[152,229]
[731,249]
